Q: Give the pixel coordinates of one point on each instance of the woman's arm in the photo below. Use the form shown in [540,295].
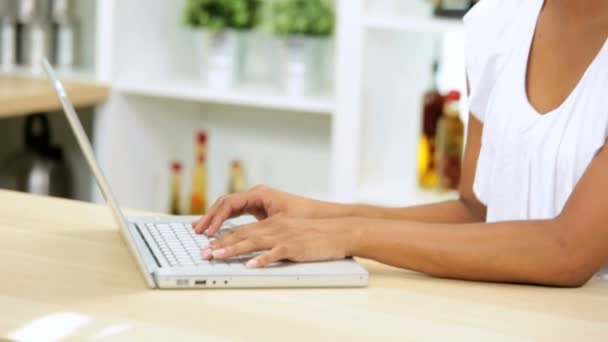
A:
[264,202]
[538,252]
[565,251]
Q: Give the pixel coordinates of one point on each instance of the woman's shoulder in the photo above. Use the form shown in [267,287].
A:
[496,10]
[491,29]
[490,19]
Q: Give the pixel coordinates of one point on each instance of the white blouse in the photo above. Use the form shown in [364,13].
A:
[529,163]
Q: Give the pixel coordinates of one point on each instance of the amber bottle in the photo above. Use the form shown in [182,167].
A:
[237,182]
[198,196]
[449,143]
[175,203]
[432,110]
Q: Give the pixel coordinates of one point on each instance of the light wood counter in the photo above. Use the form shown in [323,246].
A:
[21,95]
[63,264]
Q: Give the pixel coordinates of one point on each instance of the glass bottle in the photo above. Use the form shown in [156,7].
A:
[66,33]
[198,196]
[175,206]
[449,143]
[237,181]
[8,42]
[432,110]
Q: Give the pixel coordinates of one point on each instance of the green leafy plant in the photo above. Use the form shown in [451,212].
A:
[218,15]
[303,17]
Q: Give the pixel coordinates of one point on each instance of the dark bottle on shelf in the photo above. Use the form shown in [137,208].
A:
[175,204]
[449,143]
[432,110]
[453,8]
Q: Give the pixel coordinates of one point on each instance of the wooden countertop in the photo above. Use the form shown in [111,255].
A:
[21,95]
[64,267]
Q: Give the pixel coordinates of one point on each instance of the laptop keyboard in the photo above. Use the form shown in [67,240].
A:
[181,246]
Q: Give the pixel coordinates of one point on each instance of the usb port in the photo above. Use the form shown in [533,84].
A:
[200,282]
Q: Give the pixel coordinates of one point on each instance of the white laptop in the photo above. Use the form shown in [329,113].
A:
[167,251]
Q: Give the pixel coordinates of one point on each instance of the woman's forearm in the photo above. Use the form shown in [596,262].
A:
[455,211]
[522,252]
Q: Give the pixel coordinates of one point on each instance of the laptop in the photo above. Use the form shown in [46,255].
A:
[167,250]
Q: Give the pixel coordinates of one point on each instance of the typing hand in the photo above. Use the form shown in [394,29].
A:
[261,202]
[284,238]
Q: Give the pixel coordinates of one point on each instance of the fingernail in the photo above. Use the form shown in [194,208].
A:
[207,254]
[219,253]
[253,263]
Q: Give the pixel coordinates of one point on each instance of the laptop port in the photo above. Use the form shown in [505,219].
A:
[200,282]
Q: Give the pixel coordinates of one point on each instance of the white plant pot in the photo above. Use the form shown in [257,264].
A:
[301,65]
[218,54]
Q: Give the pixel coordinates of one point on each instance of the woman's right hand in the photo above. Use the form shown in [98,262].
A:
[261,202]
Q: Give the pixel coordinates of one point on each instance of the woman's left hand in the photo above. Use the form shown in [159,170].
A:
[283,238]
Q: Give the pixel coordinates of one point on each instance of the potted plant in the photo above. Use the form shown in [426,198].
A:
[305,25]
[218,26]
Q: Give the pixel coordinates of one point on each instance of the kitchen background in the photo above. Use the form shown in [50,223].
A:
[321,98]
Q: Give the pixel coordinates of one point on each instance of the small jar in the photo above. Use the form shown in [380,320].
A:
[64,11]
[8,42]
[66,44]
[36,43]
[30,11]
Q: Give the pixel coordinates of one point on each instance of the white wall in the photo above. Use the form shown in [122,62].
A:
[284,150]
[152,44]
[136,137]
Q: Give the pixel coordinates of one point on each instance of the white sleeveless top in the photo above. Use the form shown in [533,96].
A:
[529,163]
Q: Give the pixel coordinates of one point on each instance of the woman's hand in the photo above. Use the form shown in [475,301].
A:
[263,202]
[285,238]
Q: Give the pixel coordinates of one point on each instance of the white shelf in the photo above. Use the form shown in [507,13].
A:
[386,195]
[245,96]
[417,24]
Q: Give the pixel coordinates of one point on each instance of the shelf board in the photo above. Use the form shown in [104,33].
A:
[418,24]
[77,75]
[386,195]
[21,96]
[245,96]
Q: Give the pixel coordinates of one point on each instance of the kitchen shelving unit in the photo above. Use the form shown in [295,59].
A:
[355,142]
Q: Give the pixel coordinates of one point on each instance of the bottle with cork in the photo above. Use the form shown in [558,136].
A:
[198,196]
[449,143]
[237,182]
[175,206]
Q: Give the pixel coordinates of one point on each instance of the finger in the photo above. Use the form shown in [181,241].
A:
[205,220]
[231,206]
[200,223]
[230,238]
[237,234]
[223,213]
[240,248]
[276,254]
